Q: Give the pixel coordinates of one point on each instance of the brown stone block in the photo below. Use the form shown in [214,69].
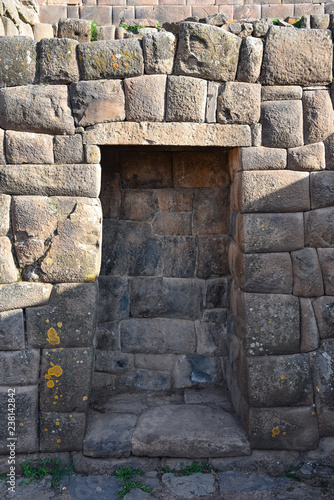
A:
[68,149]
[257,158]
[324,312]
[269,232]
[322,364]
[42,30]
[159,50]
[138,205]
[211,211]
[77,29]
[145,98]
[307,158]
[239,103]
[329,150]
[58,60]
[326,258]
[318,115]
[101,14]
[179,256]
[309,338]
[175,200]
[322,189]
[62,431]
[250,60]
[307,273]
[155,170]
[212,257]
[12,330]
[24,147]
[319,228]
[172,223]
[200,170]
[8,271]
[282,124]
[281,92]
[283,428]
[186,99]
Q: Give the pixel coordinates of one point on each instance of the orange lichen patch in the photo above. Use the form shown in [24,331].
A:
[57,423]
[91,277]
[58,440]
[55,402]
[53,338]
[313,412]
[55,370]
[282,377]
[114,57]
[56,397]
[269,322]
[262,225]
[18,47]
[284,433]
[47,321]
[317,388]
[70,416]
[85,398]
[50,384]
[276,431]
[115,65]
[21,424]
[46,430]
[59,324]
[80,57]
[47,376]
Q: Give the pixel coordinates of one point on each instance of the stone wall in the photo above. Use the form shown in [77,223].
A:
[270,106]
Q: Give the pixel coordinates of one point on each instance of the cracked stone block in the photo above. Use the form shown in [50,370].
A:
[20,367]
[17,61]
[65,379]
[250,60]
[318,115]
[322,186]
[58,61]
[323,364]
[68,149]
[307,158]
[61,432]
[36,108]
[282,124]
[309,335]
[159,52]
[8,271]
[319,228]
[114,299]
[97,102]
[69,319]
[25,147]
[239,103]
[307,274]
[326,258]
[12,330]
[196,41]
[186,99]
[5,203]
[212,257]
[199,170]
[21,295]
[145,98]
[324,313]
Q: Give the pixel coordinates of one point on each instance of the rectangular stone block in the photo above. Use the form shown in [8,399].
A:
[307,158]
[114,299]
[250,61]
[281,92]
[318,115]
[69,319]
[326,258]
[147,380]
[307,276]
[212,332]
[155,170]
[309,335]
[159,51]
[200,169]
[25,147]
[322,186]
[113,362]
[211,102]
[257,158]
[172,223]
[217,293]
[5,203]
[65,379]
[324,313]
[62,431]
[8,271]
[210,212]
[145,98]
[25,401]
[186,99]
[51,180]
[154,361]
[68,149]
[17,60]
[175,200]
[322,363]
[21,295]
[138,204]
[212,257]
[269,232]
[107,336]
[282,124]
[239,103]
[12,330]
[158,336]
[19,367]
[319,228]
[58,60]
[179,256]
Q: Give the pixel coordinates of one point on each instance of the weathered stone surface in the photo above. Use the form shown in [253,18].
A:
[169,134]
[261,272]
[297,57]
[2,147]
[269,232]
[25,147]
[65,379]
[322,364]
[307,158]
[179,256]
[324,312]
[93,153]
[195,369]
[319,228]
[5,203]
[145,98]
[282,124]
[138,204]
[216,293]
[197,484]
[51,180]
[307,273]
[196,42]
[212,258]
[9,27]
[26,416]
[239,103]
[210,211]
[158,336]
[211,102]
[116,430]
[175,224]
[199,170]
[274,191]
[318,115]
[175,200]
[114,300]
[154,361]
[326,258]
[267,324]
[36,108]
[147,380]
[211,332]
[159,51]
[21,295]
[309,338]
[257,158]
[97,102]
[155,170]
[19,367]
[17,61]
[68,149]
[192,431]
[105,32]
[69,320]
[8,271]
[281,92]
[250,60]
[57,60]
[166,297]
[322,189]
[62,431]
[186,99]
[77,29]
[110,59]
[12,330]
[42,30]
[113,362]
[329,150]
[28,11]
[88,465]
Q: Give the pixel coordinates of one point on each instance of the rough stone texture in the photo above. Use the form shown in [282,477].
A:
[211,102]
[212,259]
[239,103]
[93,154]
[69,320]
[323,362]
[5,203]
[28,11]
[42,30]
[145,98]
[257,158]
[250,60]
[196,42]
[2,147]
[57,60]
[36,108]
[281,93]
[192,431]
[97,102]
[114,300]
[11,330]
[211,332]
[324,312]
[269,232]
[65,379]
[138,205]
[322,185]
[51,180]
[186,99]
[19,367]
[319,228]
[17,61]
[169,134]
[210,218]
[158,336]
[62,431]
[326,258]
[179,256]
[110,59]
[318,115]
[298,428]
[307,158]
[24,147]
[21,295]
[8,271]
[282,124]
[307,273]
[68,149]
[196,485]
[199,170]
[159,52]
[77,29]
[274,191]
[309,338]
[26,413]
[329,150]
[294,57]
[114,362]
[216,293]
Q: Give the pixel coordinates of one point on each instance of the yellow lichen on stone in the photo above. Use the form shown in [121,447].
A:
[53,338]
[50,384]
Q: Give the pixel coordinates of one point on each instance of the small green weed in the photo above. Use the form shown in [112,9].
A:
[93,31]
[133,27]
[158,26]
[45,468]
[187,470]
[125,474]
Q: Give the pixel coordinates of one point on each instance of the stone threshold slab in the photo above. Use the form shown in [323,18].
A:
[168,134]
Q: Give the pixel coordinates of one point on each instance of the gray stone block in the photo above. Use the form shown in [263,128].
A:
[307,274]
[145,98]
[159,51]
[20,367]
[17,61]
[282,124]
[307,158]
[197,484]
[326,258]
[324,313]
[322,363]
[24,147]
[309,335]
[107,336]
[57,60]
[212,332]
[216,293]
[318,115]
[212,257]
[113,362]
[239,103]
[186,99]
[211,102]
[179,256]
[321,186]
[319,228]
[114,299]
[257,158]
[250,60]
[281,92]
[12,330]
[68,149]
[62,431]
[147,380]
[329,151]
[21,295]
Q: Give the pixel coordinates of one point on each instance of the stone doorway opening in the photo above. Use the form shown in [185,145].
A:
[163,307]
